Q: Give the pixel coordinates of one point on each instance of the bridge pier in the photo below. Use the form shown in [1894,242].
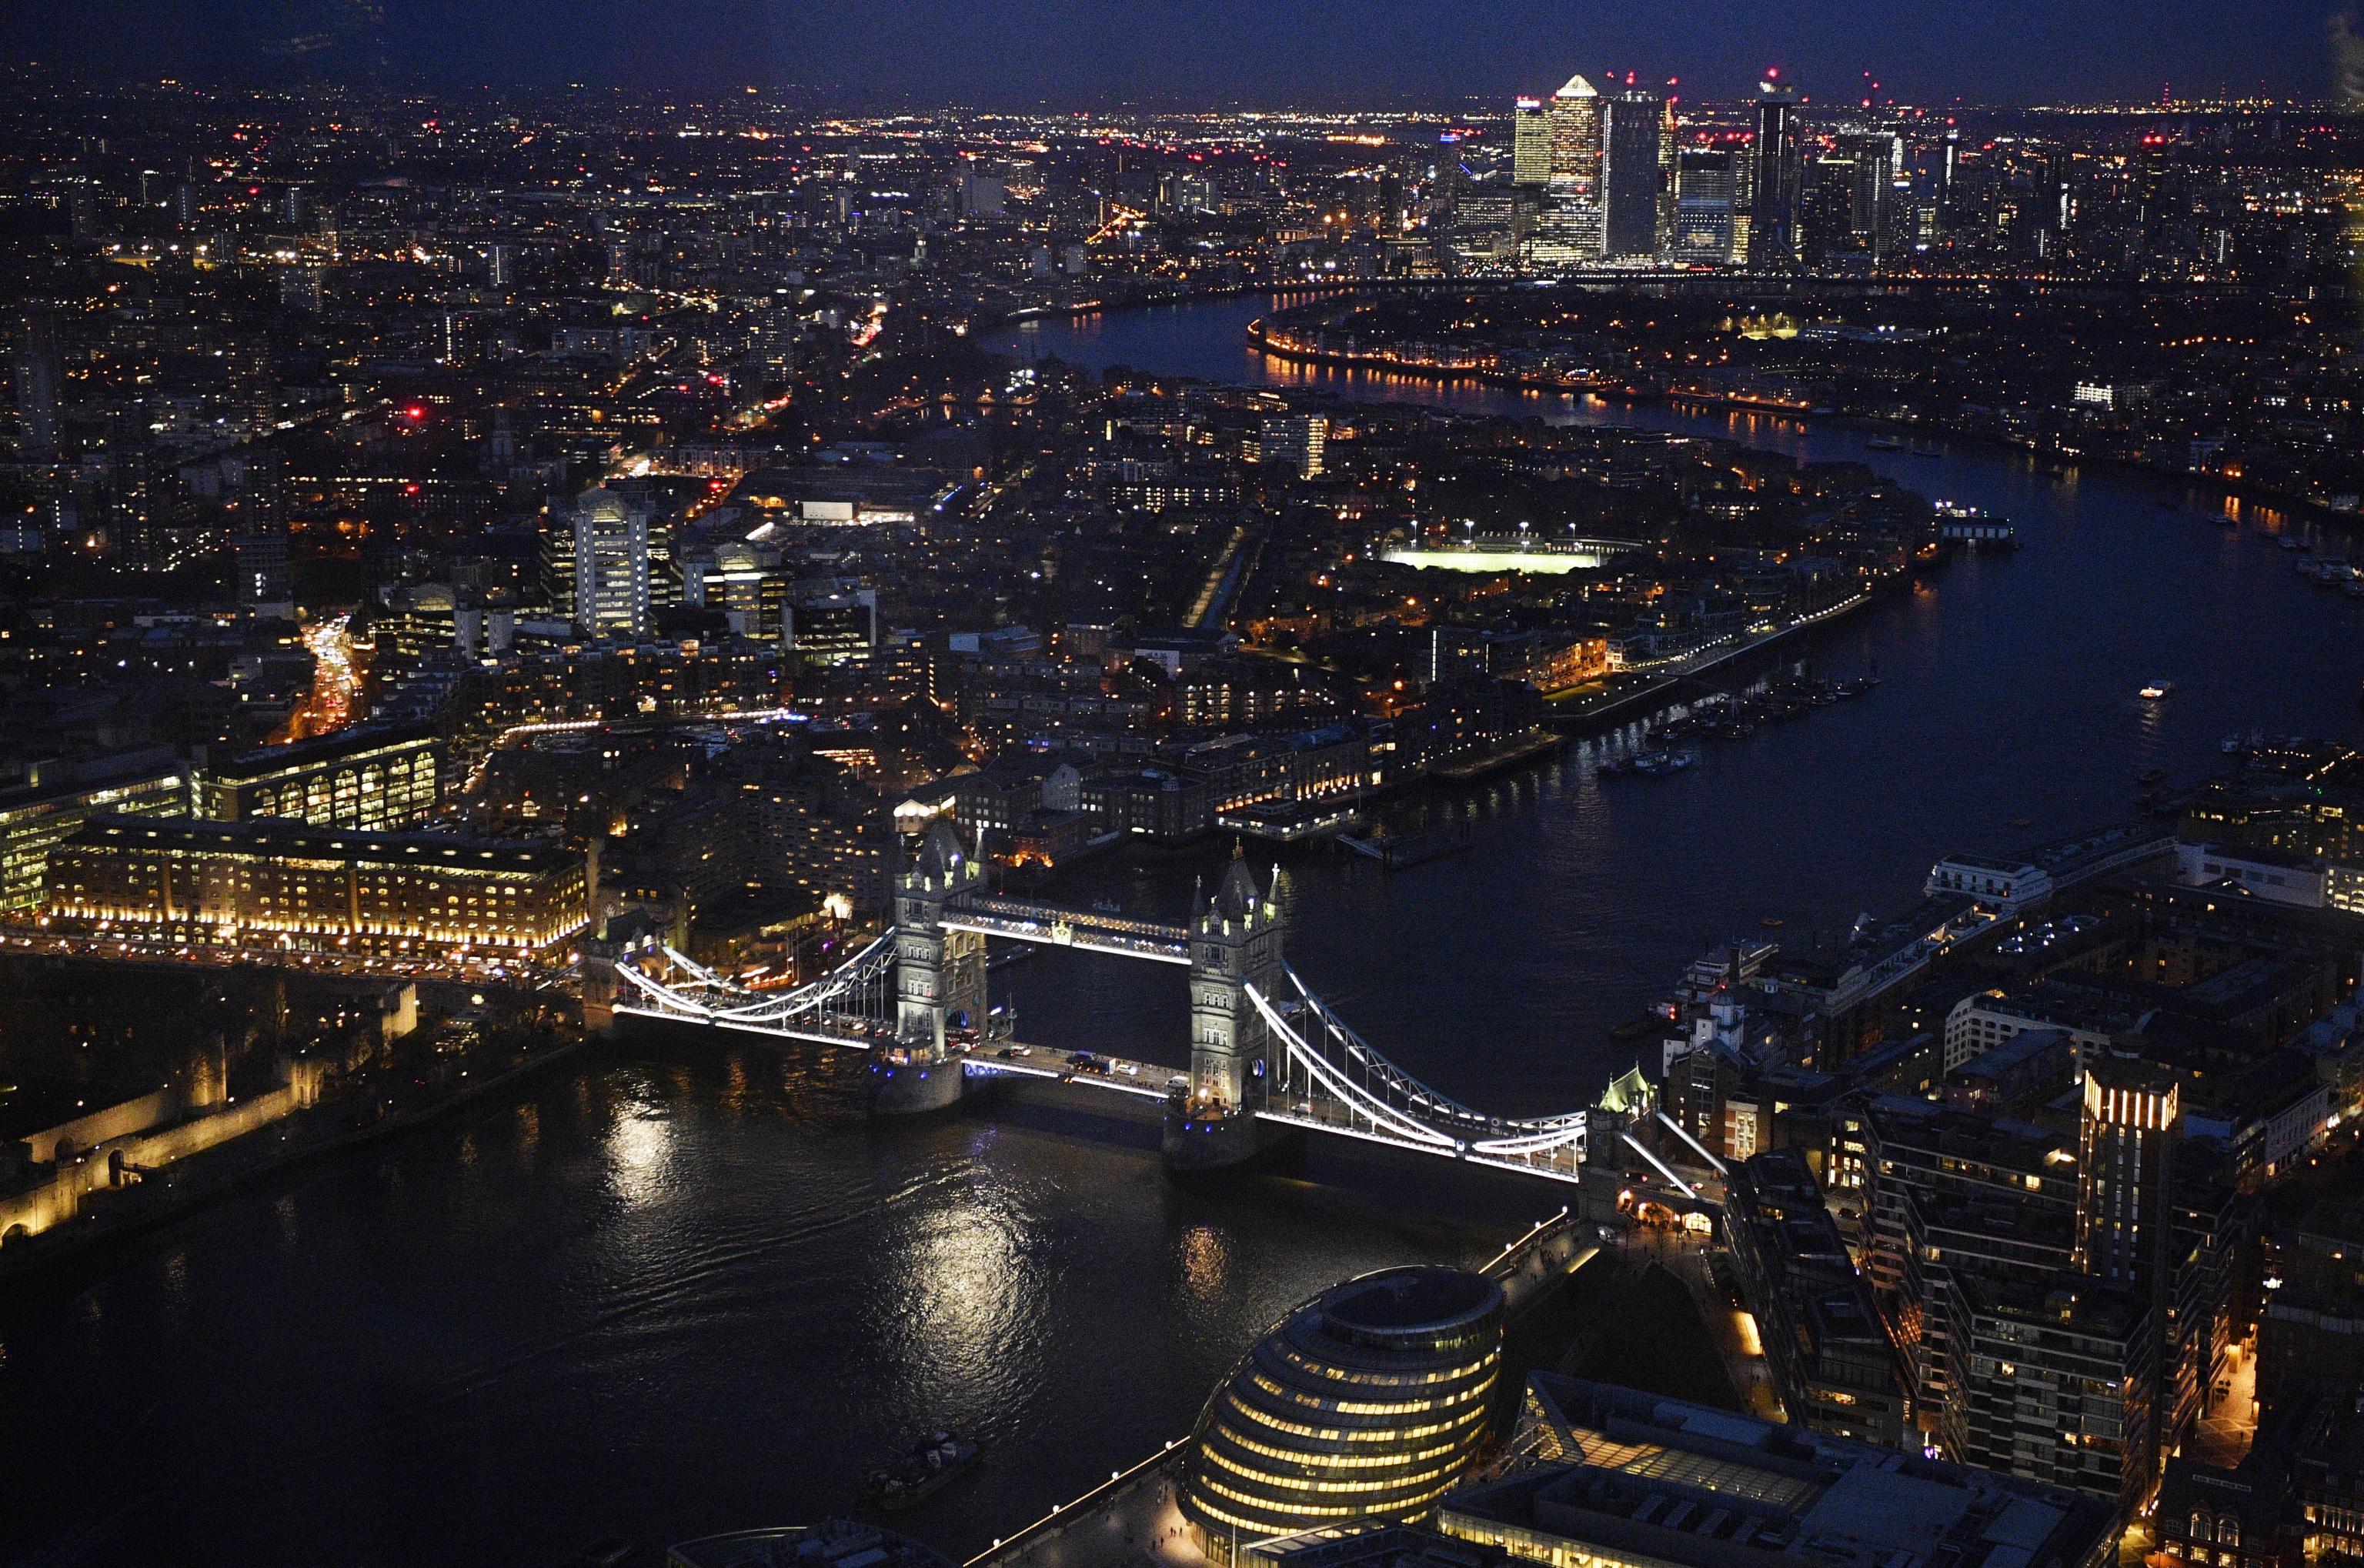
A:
[1234,943]
[908,1088]
[1209,1145]
[939,977]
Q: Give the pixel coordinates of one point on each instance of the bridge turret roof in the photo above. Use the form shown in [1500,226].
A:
[942,855]
[1238,897]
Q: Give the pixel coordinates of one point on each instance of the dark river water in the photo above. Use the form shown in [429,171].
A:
[680,1288]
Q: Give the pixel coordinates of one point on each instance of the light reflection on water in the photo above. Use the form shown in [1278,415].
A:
[676,1290]
[638,1148]
[692,1289]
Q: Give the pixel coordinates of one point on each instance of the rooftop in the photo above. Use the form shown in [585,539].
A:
[1417,1297]
[1683,1484]
[277,836]
[326,748]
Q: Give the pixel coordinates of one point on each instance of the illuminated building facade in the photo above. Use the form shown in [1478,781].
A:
[611,566]
[745,583]
[2065,1305]
[1570,232]
[2056,1381]
[267,884]
[1531,144]
[1836,1368]
[1367,1402]
[2124,1138]
[373,779]
[831,628]
[36,817]
[1296,442]
[1706,182]
[581,682]
[1244,770]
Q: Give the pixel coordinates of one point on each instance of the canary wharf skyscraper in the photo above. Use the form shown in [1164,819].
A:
[1773,197]
[1570,231]
[1706,185]
[1531,144]
[1630,174]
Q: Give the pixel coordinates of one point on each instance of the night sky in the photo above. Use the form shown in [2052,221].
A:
[1084,52]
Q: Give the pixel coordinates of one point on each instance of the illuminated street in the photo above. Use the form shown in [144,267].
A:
[1217,784]
[336,687]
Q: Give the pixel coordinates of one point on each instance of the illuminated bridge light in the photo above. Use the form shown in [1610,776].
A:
[1368,1401]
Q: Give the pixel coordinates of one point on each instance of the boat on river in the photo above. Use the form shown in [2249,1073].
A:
[933,1463]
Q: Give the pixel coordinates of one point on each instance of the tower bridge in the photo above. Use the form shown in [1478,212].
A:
[1268,1056]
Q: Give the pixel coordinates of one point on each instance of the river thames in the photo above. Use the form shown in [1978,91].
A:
[677,1288]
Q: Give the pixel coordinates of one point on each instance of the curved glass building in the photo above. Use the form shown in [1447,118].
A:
[1369,1400]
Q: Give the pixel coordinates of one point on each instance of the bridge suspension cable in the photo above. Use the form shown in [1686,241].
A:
[1350,1087]
[1416,1098]
[709,999]
[1355,1100]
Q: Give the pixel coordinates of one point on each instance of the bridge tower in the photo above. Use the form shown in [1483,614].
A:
[939,980]
[1234,943]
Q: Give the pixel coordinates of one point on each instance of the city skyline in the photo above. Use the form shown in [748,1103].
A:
[1267,53]
[1604,821]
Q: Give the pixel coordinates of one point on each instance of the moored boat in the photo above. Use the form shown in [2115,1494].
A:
[1655,765]
[930,1464]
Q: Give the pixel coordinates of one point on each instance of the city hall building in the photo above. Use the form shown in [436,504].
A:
[1369,1402]
[270,884]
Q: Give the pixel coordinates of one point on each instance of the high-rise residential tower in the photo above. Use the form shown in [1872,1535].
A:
[39,380]
[611,566]
[2124,1140]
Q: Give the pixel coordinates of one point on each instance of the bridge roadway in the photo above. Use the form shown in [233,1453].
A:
[1153,1081]
[1148,1081]
[1145,1080]
[1142,1080]
[817,1032]
[1015,1059]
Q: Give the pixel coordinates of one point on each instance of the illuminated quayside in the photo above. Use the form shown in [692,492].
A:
[1552,558]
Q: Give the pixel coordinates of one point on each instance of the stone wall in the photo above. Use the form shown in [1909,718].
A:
[109,1121]
[144,1143]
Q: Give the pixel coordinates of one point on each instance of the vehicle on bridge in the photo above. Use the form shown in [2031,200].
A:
[1268,1056]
